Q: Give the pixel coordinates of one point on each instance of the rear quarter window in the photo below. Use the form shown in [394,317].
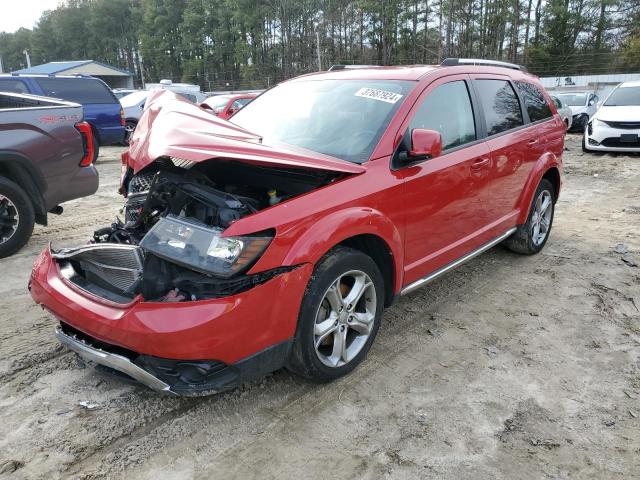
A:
[13,86]
[537,106]
[500,105]
[79,90]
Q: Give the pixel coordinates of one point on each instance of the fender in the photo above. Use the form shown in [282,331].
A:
[340,225]
[20,169]
[545,162]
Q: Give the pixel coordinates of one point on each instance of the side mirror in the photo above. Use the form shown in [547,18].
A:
[232,111]
[425,143]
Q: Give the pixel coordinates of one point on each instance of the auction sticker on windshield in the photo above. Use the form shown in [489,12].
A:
[375,94]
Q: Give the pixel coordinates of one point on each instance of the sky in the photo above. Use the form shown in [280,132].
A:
[24,13]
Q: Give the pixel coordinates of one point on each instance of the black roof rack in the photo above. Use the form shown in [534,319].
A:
[452,62]
[333,68]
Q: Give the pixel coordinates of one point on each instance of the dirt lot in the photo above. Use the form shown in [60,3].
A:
[510,367]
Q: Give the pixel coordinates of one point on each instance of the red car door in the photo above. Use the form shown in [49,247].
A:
[515,146]
[442,203]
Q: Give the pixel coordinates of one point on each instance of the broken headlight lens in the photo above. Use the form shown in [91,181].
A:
[200,247]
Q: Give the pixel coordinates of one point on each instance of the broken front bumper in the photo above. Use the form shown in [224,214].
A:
[238,336]
[111,360]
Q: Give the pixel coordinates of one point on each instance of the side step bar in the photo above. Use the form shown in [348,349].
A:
[441,271]
[112,360]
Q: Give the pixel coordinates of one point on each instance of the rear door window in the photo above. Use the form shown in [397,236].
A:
[500,105]
[447,109]
[79,90]
[13,86]
[537,106]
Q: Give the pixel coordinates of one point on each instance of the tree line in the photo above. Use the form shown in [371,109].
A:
[232,44]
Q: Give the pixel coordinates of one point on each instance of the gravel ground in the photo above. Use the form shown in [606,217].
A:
[510,367]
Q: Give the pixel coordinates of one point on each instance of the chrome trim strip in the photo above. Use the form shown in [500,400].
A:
[432,276]
[112,360]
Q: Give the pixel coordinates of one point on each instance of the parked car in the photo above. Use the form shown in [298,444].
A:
[582,104]
[188,90]
[45,159]
[615,127]
[276,239]
[101,108]
[133,105]
[123,92]
[564,111]
[224,106]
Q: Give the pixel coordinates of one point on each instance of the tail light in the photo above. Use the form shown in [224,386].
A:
[87,143]
[122,119]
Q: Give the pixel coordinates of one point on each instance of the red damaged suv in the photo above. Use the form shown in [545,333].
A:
[278,238]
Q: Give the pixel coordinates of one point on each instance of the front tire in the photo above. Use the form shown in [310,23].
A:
[531,237]
[584,144]
[339,317]
[17,217]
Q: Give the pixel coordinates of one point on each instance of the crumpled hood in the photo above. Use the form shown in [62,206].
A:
[174,127]
[619,114]
[576,110]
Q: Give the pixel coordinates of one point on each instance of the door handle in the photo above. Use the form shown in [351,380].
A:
[532,143]
[479,163]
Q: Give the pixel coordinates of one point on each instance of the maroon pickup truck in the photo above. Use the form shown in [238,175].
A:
[46,154]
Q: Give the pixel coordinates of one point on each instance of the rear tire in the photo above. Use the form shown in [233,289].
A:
[335,331]
[96,147]
[531,237]
[17,217]
[129,127]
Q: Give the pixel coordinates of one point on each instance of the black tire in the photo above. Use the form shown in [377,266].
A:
[130,124]
[304,360]
[14,200]
[96,147]
[522,241]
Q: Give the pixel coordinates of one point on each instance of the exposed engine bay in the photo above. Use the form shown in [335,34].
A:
[169,246]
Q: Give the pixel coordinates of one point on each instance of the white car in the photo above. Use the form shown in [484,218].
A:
[564,111]
[133,106]
[582,104]
[615,127]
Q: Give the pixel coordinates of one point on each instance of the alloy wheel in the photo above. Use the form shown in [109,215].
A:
[345,318]
[541,219]
[9,219]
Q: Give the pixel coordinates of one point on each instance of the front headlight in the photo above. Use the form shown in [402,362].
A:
[203,248]
[598,123]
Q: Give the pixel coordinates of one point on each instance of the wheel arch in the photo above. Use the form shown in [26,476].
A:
[548,167]
[379,251]
[19,169]
[364,229]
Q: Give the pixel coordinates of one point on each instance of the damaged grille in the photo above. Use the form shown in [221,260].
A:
[140,183]
[110,266]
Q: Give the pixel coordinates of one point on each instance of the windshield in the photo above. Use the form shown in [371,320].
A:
[341,118]
[573,99]
[624,97]
[134,99]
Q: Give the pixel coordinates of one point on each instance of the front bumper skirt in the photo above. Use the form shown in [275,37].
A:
[112,360]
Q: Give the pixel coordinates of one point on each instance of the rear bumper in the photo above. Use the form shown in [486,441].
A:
[82,183]
[110,135]
[230,329]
